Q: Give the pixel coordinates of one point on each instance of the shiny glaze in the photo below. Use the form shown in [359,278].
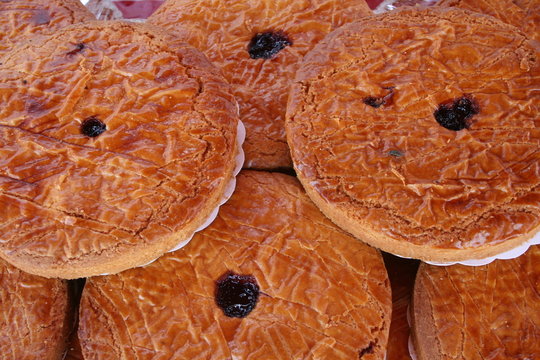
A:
[34,317]
[323,294]
[23,19]
[474,313]
[524,14]
[223,31]
[166,153]
[449,189]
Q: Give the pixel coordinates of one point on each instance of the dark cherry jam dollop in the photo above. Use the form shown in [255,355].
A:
[455,114]
[267,44]
[236,295]
[92,127]
[373,101]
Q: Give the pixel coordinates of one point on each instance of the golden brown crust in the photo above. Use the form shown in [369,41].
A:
[524,14]
[79,206]
[481,312]
[35,320]
[21,20]
[392,175]
[324,295]
[223,30]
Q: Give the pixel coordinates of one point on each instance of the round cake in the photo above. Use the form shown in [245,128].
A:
[26,19]
[485,312]
[258,45]
[36,316]
[270,278]
[418,132]
[525,14]
[114,148]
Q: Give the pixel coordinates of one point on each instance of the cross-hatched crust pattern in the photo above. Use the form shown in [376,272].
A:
[75,205]
[323,294]
[34,315]
[22,20]
[524,14]
[392,173]
[477,313]
[223,30]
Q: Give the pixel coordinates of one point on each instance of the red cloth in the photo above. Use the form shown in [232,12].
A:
[373,3]
[137,9]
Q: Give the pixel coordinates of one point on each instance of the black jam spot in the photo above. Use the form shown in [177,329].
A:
[267,44]
[236,294]
[41,17]
[373,101]
[377,102]
[24,81]
[78,48]
[395,153]
[92,127]
[454,115]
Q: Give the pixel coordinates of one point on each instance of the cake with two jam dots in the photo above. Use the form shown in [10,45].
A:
[417,131]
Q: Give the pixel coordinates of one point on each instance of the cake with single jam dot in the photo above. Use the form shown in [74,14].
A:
[258,45]
[115,146]
[270,278]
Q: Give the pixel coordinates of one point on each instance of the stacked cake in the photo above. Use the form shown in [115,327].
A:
[415,132]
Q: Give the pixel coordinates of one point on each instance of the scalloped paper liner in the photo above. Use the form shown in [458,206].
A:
[229,190]
[510,254]
[412,351]
[388,5]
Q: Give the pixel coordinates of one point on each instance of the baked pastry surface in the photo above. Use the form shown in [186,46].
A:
[114,147]
[25,19]
[321,293]
[36,316]
[490,311]
[418,132]
[524,14]
[279,33]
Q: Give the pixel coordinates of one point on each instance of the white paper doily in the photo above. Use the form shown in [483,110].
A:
[229,190]
[410,345]
[387,5]
[511,254]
